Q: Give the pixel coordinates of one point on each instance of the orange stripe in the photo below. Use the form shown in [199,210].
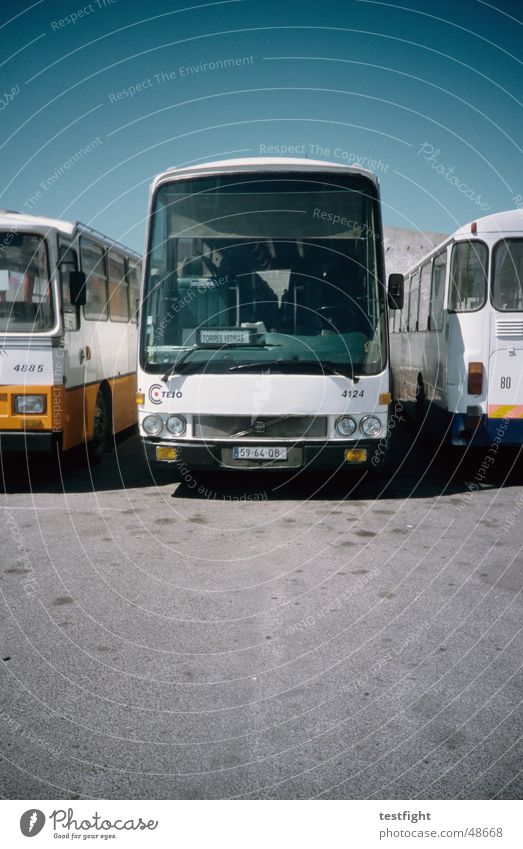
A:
[505,411]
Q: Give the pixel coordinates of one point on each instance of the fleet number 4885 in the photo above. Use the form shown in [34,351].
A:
[28,367]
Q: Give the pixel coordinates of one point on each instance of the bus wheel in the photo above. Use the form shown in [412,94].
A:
[98,444]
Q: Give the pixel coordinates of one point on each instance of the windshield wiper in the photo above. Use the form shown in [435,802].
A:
[211,346]
[326,367]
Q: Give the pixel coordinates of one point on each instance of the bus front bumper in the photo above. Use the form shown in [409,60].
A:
[364,453]
[28,442]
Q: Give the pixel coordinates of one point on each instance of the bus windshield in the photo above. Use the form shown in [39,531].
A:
[25,291]
[255,269]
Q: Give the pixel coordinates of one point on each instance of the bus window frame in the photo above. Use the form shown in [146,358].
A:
[492,251]
[413,277]
[87,239]
[445,254]
[72,310]
[134,309]
[123,281]
[450,260]
[52,281]
[423,269]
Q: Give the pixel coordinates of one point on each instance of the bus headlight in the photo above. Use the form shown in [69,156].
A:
[345,426]
[370,426]
[152,425]
[29,404]
[176,424]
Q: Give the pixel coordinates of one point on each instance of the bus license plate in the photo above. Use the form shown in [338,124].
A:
[249,452]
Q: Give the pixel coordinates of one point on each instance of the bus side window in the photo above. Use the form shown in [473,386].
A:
[507,287]
[93,265]
[118,297]
[424,297]
[68,262]
[405,309]
[468,276]
[133,277]
[413,302]
[437,294]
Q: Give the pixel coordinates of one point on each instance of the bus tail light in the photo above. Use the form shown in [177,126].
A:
[475,379]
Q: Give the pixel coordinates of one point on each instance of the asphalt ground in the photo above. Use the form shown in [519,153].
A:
[335,637]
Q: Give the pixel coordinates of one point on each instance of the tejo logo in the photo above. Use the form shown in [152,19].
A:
[32,822]
[155,393]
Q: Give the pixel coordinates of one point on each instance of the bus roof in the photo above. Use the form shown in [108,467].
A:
[497,224]
[263,163]
[19,221]
[510,221]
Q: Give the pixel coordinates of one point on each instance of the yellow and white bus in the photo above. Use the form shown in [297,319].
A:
[68,299]
[264,323]
[457,345]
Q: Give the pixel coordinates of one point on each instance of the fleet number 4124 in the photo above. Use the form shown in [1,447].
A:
[352,393]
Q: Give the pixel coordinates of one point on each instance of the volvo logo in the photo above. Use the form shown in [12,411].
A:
[259,427]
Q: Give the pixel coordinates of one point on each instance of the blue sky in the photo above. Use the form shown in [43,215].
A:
[96,98]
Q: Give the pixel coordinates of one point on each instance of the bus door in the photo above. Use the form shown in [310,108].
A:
[69,367]
[505,373]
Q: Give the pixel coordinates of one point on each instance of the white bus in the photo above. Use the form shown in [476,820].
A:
[457,345]
[68,334]
[263,339]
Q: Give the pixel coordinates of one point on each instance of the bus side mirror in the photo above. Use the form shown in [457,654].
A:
[77,288]
[395,291]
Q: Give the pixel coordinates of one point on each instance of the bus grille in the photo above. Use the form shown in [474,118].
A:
[261,427]
[509,328]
